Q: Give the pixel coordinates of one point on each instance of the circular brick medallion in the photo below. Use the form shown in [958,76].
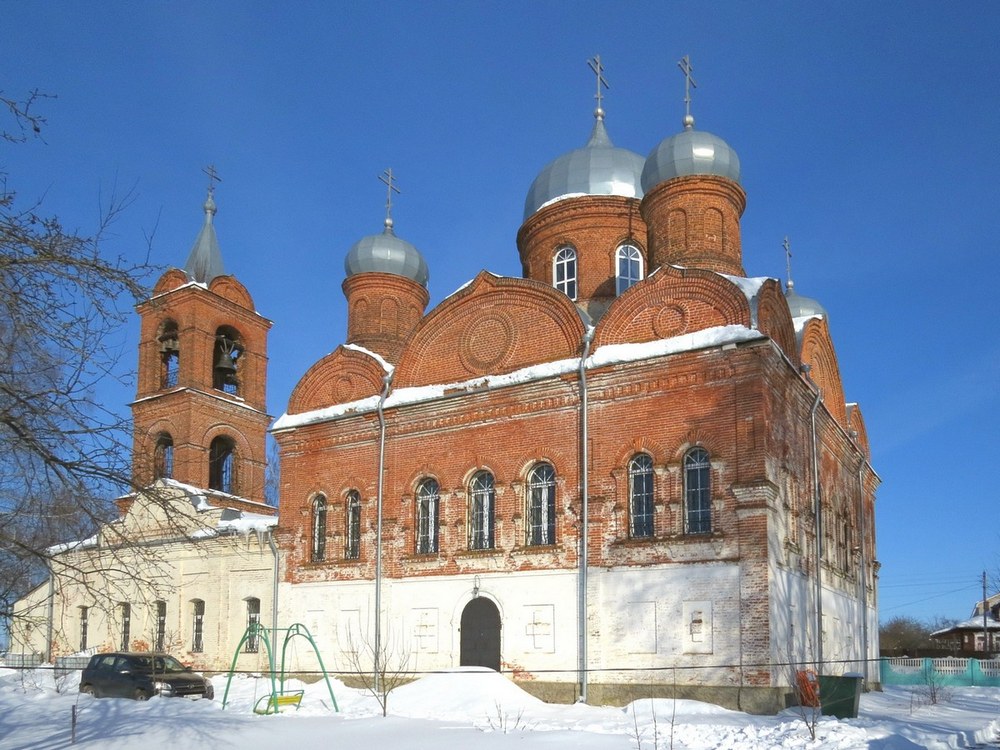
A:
[670,320]
[487,343]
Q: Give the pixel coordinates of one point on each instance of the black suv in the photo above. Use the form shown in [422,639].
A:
[141,675]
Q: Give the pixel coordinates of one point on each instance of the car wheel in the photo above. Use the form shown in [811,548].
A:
[88,690]
[141,695]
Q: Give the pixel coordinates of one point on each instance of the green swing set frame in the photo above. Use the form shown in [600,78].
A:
[278,698]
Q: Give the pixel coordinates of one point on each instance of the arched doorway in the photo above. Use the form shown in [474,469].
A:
[480,635]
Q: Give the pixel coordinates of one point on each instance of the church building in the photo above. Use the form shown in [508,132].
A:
[630,472]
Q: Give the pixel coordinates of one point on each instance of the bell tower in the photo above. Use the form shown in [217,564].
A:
[200,409]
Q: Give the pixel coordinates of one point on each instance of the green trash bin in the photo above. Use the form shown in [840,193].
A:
[839,696]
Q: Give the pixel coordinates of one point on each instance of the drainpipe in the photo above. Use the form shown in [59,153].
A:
[588,338]
[386,384]
[818,512]
[274,585]
[50,617]
[863,568]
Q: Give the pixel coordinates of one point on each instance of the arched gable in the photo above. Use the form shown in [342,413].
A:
[342,376]
[492,326]
[856,424]
[671,302]
[229,288]
[774,320]
[171,279]
[817,352]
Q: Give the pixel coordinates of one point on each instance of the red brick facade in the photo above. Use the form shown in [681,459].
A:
[489,381]
[180,401]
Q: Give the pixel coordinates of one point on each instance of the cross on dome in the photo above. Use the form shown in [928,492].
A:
[595,65]
[388,179]
[685,65]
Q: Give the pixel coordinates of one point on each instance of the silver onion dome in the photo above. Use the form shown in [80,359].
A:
[599,168]
[690,152]
[386,253]
[803,307]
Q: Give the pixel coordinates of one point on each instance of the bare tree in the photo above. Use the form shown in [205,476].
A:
[63,454]
[379,672]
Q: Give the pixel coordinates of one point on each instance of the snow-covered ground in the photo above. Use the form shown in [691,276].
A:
[472,708]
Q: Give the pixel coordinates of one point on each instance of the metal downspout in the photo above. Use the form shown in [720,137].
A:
[274,583]
[386,384]
[50,617]
[818,511]
[863,570]
[588,338]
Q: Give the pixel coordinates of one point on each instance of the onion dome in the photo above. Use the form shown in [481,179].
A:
[204,262]
[690,152]
[802,307]
[386,253]
[599,168]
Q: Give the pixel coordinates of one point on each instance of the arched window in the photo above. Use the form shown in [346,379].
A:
[221,465]
[640,496]
[160,636]
[225,360]
[253,623]
[564,271]
[125,611]
[628,261]
[197,626]
[84,617]
[428,499]
[542,505]
[319,529]
[697,492]
[482,498]
[170,354]
[163,457]
[352,545]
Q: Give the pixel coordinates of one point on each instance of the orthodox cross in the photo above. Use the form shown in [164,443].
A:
[213,177]
[788,259]
[595,65]
[389,180]
[685,65]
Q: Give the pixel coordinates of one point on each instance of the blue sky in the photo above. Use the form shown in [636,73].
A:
[867,134]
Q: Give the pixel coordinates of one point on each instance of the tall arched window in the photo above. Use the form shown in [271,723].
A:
[697,492]
[428,499]
[226,360]
[542,505]
[170,354]
[482,498]
[163,457]
[160,636]
[628,261]
[222,465]
[197,625]
[640,496]
[84,620]
[352,546]
[319,529]
[125,611]
[253,625]
[564,271]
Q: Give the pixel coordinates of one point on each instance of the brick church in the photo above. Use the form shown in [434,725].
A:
[630,472]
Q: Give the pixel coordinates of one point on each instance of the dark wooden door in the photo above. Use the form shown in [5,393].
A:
[480,631]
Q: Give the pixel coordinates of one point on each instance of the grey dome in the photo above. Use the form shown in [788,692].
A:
[690,152]
[599,168]
[386,253]
[803,307]
[204,261]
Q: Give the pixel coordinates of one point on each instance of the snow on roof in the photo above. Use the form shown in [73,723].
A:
[377,357]
[56,549]
[750,286]
[605,355]
[973,623]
